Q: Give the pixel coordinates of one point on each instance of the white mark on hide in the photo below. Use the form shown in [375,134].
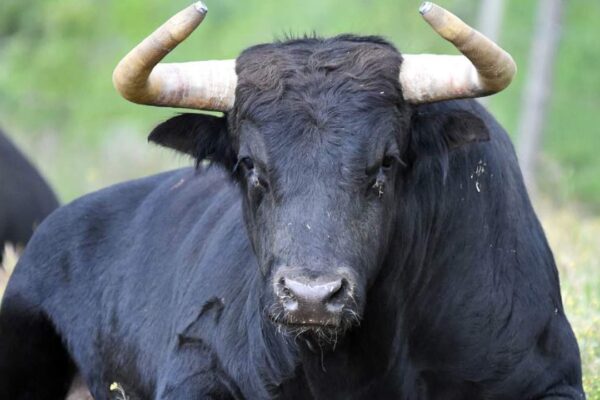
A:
[120,393]
[479,171]
[175,186]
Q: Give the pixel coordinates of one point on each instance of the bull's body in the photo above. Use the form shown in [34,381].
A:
[154,284]
[25,198]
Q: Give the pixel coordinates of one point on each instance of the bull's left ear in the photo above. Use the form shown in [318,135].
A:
[444,130]
[199,135]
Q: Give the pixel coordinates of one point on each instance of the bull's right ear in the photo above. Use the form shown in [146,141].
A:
[202,136]
[436,130]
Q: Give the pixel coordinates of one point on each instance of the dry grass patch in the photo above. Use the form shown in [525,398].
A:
[10,256]
[575,239]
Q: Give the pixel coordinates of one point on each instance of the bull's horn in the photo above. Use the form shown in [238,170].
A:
[203,85]
[484,69]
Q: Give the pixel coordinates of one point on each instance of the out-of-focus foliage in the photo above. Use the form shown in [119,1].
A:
[56,59]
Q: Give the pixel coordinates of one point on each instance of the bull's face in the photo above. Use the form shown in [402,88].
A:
[320,146]
[319,140]
[319,198]
[317,131]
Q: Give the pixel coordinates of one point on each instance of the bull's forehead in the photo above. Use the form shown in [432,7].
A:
[322,76]
[320,105]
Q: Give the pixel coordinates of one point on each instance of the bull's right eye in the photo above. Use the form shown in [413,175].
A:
[247,163]
[253,177]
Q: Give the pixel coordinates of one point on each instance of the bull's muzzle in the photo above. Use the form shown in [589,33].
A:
[313,300]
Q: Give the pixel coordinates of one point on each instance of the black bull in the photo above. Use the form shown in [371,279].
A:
[361,248]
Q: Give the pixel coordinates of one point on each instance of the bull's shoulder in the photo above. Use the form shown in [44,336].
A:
[86,216]
[110,222]
[122,203]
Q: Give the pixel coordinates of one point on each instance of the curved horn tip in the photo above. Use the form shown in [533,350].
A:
[426,6]
[201,7]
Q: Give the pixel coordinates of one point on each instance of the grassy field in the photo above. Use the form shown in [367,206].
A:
[574,239]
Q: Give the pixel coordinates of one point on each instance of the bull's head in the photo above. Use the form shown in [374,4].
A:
[318,133]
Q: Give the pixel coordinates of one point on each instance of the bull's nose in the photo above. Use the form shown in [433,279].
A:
[313,301]
[313,293]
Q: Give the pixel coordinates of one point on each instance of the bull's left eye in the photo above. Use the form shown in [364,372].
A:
[247,163]
[380,175]
[388,162]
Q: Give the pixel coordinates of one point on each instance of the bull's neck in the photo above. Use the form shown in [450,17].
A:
[366,356]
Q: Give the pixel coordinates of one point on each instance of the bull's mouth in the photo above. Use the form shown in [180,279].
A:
[324,329]
[308,325]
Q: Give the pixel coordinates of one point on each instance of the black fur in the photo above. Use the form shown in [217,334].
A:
[25,198]
[204,137]
[165,284]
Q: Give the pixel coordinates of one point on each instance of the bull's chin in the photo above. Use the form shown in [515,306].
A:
[321,333]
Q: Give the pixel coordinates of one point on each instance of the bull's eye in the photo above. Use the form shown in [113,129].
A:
[380,173]
[253,177]
[247,163]
[388,162]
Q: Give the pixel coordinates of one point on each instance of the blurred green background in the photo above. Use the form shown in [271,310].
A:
[57,101]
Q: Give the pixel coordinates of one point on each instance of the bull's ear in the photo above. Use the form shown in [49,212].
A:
[440,131]
[199,135]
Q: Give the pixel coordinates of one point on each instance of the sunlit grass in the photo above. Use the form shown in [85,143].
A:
[575,239]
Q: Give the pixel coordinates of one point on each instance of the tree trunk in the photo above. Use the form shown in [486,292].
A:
[491,14]
[538,86]
[489,22]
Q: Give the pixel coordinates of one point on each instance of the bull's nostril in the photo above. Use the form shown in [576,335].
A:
[339,293]
[313,292]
